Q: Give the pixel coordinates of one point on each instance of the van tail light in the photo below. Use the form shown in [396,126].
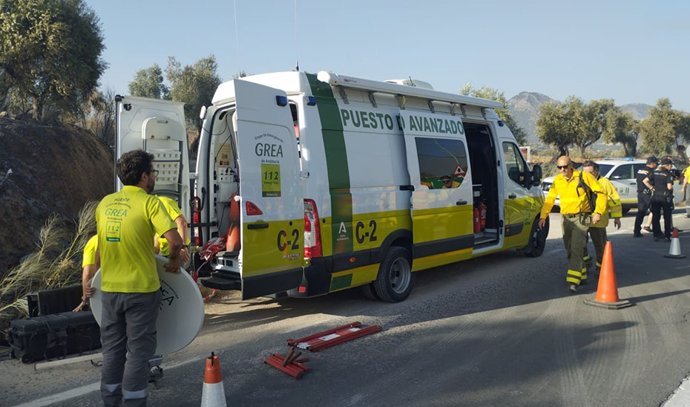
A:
[312,230]
[252,209]
[196,220]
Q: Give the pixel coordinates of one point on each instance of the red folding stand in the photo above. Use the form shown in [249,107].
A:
[331,337]
[292,368]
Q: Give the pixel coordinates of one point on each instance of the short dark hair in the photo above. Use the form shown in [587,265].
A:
[652,160]
[590,163]
[132,165]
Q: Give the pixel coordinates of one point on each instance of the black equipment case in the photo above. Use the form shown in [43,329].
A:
[55,335]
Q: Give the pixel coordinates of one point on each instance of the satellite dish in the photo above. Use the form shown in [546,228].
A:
[181,312]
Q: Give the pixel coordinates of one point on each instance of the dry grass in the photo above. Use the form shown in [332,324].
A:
[55,263]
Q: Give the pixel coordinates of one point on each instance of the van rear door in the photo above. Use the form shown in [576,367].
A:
[442,207]
[271,203]
[158,127]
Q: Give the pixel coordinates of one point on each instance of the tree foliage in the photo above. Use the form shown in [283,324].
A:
[50,53]
[623,129]
[664,129]
[573,123]
[149,83]
[553,128]
[503,112]
[194,85]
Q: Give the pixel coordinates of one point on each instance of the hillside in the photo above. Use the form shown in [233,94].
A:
[54,170]
[525,110]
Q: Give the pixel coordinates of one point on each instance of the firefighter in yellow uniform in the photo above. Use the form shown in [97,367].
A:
[614,210]
[577,214]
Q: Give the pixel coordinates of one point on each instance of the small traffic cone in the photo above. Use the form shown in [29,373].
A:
[607,290]
[674,251]
[213,394]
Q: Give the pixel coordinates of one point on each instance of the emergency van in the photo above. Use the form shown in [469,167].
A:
[314,183]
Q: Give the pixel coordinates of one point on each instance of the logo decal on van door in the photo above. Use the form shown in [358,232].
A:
[270,180]
[342,232]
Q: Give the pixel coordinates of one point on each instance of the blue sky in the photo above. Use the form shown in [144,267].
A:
[632,51]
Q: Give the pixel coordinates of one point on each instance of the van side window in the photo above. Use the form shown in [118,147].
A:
[515,164]
[442,162]
[295,119]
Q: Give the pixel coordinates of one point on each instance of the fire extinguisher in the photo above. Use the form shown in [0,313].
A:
[482,216]
[477,227]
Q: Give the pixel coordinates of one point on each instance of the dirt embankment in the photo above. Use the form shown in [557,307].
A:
[54,170]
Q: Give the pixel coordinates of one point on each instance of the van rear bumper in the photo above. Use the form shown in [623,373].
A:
[317,278]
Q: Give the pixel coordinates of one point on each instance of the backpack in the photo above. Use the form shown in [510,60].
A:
[591,195]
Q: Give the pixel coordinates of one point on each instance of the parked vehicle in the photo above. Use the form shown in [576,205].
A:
[320,183]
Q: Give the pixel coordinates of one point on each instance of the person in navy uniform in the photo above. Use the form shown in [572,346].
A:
[644,194]
[660,182]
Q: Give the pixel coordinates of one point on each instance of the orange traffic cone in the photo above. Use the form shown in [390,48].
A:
[213,394]
[674,250]
[607,290]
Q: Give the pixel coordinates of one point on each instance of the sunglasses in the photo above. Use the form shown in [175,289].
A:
[561,167]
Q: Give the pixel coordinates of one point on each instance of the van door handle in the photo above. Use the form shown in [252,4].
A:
[407,187]
[257,226]
[512,196]
[461,202]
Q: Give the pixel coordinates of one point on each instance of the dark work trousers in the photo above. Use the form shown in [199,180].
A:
[128,338]
[644,202]
[657,208]
[575,240]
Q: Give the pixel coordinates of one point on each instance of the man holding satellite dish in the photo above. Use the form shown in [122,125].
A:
[127,221]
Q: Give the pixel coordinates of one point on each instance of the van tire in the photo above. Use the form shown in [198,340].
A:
[369,292]
[537,239]
[395,279]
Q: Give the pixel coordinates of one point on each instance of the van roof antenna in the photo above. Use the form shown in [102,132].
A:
[411,81]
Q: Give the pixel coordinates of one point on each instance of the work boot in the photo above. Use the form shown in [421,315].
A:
[572,288]
[637,234]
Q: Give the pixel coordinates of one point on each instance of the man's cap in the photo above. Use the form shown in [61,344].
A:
[666,161]
[652,159]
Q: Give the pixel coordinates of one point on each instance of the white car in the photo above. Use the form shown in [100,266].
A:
[622,175]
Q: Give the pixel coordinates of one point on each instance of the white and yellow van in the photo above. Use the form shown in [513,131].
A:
[340,181]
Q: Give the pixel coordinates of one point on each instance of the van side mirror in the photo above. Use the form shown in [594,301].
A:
[536,175]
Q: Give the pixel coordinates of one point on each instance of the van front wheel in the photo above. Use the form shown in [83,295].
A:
[394,281]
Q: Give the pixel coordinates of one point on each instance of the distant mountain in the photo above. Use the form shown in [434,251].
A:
[525,110]
[524,107]
[639,110]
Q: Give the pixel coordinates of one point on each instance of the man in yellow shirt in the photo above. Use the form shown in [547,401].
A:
[160,243]
[571,186]
[89,264]
[597,231]
[126,222]
[686,180]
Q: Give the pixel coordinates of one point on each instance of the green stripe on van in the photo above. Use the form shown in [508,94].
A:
[336,162]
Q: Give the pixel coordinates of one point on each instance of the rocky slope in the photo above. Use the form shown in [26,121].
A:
[54,170]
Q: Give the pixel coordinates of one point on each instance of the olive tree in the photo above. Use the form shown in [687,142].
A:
[50,53]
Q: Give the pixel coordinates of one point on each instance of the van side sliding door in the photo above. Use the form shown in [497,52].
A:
[441,203]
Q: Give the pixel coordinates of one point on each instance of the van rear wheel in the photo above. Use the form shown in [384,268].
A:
[395,279]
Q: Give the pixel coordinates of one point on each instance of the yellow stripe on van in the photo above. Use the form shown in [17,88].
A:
[441,259]
[442,223]
[278,247]
[354,277]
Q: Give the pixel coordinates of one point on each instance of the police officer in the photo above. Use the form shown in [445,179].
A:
[571,186]
[660,182]
[644,194]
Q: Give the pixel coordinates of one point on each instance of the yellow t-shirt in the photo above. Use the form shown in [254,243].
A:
[174,212]
[686,174]
[89,257]
[126,222]
[613,203]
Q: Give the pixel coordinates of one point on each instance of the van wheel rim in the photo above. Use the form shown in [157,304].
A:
[399,276]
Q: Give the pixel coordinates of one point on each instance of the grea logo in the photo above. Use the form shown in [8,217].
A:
[268,145]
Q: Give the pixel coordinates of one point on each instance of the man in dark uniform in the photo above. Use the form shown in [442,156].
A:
[644,194]
[660,182]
